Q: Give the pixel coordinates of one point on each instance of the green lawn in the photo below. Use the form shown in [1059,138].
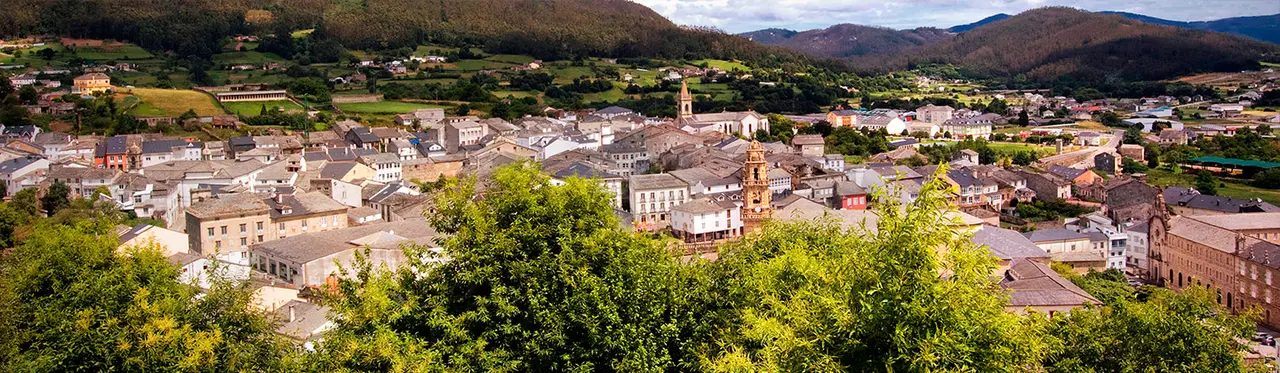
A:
[516,94]
[250,58]
[1229,187]
[301,33]
[723,65]
[170,102]
[122,52]
[612,95]
[510,58]
[253,108]
[384,107]
[1009,147]
[475,65]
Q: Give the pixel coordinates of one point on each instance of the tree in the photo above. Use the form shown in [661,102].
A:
[539,278]
[25,201]
[1169,332]
[56,198]
[73,301]
[814,297]
[1023,119]
[1206,183]
[1269,179]
[464,109]
[1132,135]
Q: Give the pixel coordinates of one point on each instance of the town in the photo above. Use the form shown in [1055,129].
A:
[295,182]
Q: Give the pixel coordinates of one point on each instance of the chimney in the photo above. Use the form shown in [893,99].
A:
[292,315]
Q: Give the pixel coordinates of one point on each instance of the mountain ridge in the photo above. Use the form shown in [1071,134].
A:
[1057,42]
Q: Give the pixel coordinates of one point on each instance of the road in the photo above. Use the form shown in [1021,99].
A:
[1086,155]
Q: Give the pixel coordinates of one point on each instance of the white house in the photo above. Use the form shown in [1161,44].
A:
[705,220]
[387,167]
[652,198]
[161,151]
[22,172]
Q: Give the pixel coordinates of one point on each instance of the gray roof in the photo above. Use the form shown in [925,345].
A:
[1186,197]
[704,205]
[113,145]
[1031,284]
[583,171]
[303,204]
[1067,172]
[655,181]
[307,318]
[308,247]
[1007,244]
[165,146]
[615,110]
[16,164]
[336,170]
[1051,235]
[706,177]
[239,203]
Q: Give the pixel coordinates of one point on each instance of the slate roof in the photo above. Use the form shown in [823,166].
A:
[704,206]
[303,204]
[307,318]
[1052,235]
[113,145]
[9,166]
[308,247]
[1203,233]
[1034,284]
[614,110]
[1066,172]
[656,181]
[1261,220]
[364,135]
[239,203]
[336,170]
[807,140]
[166,146]
[1007,244]
[1186,197]
[584,171]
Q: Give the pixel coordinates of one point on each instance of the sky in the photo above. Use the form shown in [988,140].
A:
[748,15]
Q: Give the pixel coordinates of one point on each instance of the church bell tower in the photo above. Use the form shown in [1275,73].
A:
[685,103]
[756,197]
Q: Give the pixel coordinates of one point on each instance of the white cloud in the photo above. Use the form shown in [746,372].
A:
[747,15]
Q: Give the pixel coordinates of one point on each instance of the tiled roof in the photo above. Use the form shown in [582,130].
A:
[239,203]
[303,204]
[1052,235]
[308,247]
[655,181]
[1031,284]
[704,206]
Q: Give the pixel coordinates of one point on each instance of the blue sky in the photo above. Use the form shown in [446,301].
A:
[747,15]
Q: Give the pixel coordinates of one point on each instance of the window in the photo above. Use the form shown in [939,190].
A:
[224,231]
[244,229]
[210,232]
[259,227]
[217,244]
[244,242]
[282,227]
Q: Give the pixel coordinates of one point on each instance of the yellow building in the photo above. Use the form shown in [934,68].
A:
[92,83]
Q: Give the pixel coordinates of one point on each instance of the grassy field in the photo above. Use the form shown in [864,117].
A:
[301,33]
[510,58]
[254,107]
[1010,147]
[172,102]
[1229,187]
[384,107]
[122,52]
[475,65]
[723,65]
[250,58]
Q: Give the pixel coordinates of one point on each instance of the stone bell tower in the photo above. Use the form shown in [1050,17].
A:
[685,103]
[756,204]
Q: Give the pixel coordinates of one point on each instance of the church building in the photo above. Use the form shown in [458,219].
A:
[743,123]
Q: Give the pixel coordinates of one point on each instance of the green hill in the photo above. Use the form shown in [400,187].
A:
[1056,43]
[547,29]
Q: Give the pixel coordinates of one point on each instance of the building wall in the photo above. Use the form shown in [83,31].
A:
[431,171]
[1188,262]
[320,222]
[227,233]
[727,220]
[652,207]
[1054,247]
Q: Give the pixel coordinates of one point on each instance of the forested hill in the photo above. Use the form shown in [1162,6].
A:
[542,28]
[1063,43]
[846,40]
[1265,28]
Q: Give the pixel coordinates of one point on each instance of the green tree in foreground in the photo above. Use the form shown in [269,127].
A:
[1206,184]
[56,198]
[817,298]
[1170,332]
[540,278]
[72,302]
